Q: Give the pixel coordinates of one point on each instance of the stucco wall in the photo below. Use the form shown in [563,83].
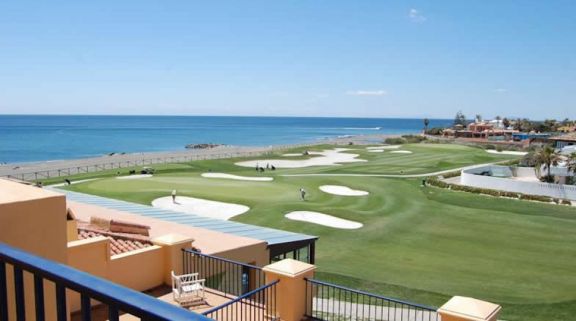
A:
[139,270]
[34,220]
[505,184]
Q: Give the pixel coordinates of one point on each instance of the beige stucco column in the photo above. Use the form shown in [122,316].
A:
[461,308]
[172,244]
[291,290]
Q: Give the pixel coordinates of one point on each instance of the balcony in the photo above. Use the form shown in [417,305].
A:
[39,293]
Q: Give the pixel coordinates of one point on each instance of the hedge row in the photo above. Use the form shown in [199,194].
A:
[435,181]
[451,174]
[405,139]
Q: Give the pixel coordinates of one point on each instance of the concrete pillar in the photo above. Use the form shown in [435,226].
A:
[461,308]
[291,290]
[172,244]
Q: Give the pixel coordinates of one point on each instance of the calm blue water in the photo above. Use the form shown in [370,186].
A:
[35,138]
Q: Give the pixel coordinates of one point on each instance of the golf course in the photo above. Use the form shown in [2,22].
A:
[413,242]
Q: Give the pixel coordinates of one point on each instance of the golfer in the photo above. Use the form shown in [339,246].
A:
[303,194]
[174,196]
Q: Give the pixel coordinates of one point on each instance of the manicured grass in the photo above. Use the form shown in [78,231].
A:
[420,244]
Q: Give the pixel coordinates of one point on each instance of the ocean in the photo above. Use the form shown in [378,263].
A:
[42,137]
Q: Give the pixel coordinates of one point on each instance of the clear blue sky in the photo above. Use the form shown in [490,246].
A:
[306,58]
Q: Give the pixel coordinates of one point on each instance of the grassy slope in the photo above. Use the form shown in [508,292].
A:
[420,244]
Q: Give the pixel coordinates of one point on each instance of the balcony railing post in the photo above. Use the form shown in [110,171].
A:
[61,314]
[39,298]
[292,276]
[19,294]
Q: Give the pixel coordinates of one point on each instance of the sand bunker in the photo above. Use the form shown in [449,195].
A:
[292,154]
[384,147]
[376,151]
[323,219]
[506,152]
[401,152]
[137,176]
[342,190]
[325,158]
[201,207]
[236,177]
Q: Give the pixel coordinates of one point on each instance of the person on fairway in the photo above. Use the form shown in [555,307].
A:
[303,194]
[173,196]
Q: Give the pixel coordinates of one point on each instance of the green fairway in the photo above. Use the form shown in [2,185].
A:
[421,244]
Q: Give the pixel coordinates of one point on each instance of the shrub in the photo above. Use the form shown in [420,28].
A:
[436,131]
[499,148]
[451,174]
[435,181]
[538,198]
[413,139]
[395,141]
[489,146]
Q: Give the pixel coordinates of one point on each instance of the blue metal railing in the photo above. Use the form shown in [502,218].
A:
[258,304]
[326,301]
[116,297]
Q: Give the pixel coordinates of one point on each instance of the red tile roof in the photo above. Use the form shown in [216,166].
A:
[119,242]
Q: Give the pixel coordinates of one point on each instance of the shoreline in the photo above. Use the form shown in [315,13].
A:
[38,170]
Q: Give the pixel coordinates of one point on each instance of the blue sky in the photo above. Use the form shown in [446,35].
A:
[296,58]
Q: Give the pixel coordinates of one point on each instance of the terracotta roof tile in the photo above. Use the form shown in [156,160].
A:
[119,243]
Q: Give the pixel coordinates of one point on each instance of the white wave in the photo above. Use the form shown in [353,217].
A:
[362,128]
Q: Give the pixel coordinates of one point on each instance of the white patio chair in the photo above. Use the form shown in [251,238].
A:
[187,288]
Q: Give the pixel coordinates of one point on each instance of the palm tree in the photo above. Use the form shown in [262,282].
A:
[426,123]
[546,157]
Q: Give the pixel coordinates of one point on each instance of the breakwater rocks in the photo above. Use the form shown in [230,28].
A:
[202,146]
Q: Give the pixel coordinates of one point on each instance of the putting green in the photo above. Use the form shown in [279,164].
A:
[417,243]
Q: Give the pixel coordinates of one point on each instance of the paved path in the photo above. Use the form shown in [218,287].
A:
[390,175]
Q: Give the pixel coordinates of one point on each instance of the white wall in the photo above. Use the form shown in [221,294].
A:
[511,185]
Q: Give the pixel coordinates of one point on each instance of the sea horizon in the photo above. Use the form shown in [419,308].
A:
[33,138]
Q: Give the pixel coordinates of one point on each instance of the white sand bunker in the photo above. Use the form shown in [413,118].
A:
[325,158]
[201,207]
[323,219]
[384,147]
[342,190]
[506,152]
[376,151]
[401,152]
[236,177]
[292,154]
[135,176]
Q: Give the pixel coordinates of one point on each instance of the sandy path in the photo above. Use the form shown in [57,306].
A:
[72,182]
[394,175]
